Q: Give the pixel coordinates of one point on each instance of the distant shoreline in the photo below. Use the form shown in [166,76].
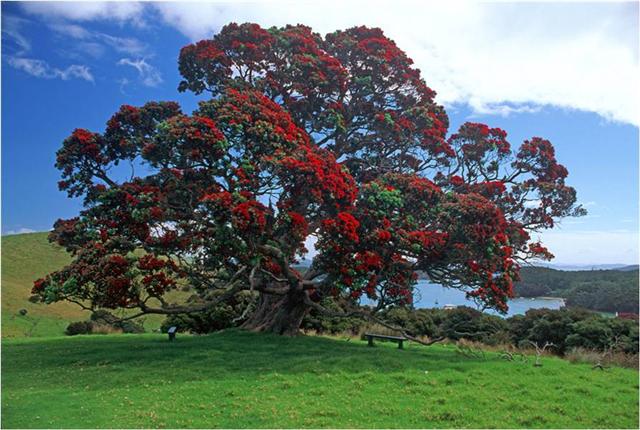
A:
[541,298]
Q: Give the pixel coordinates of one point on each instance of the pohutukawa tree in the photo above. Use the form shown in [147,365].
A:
[337,138]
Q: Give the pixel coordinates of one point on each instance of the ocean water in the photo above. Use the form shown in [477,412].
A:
[436,296]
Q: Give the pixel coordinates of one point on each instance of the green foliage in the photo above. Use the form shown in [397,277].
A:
[419,322]
[459,323]
[467,323]
[611,296]
[601,290]
[570,328]
[566,328]
[235,379]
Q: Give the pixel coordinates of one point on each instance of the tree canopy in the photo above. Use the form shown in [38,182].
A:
[336,138]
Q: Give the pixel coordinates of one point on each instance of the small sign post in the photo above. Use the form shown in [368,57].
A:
[172,333]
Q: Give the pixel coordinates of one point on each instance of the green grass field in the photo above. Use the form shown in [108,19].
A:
[239,379]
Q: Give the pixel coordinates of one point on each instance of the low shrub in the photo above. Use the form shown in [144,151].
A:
[79,327]
[568,329]
[314,321]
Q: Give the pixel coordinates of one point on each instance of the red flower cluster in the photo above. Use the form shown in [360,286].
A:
[540,251]
[249,215]
[456,181]
[476,140]
[298,223]
[223,198]
[317,172]
[345,225]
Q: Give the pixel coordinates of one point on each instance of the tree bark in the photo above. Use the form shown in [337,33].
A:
[279,314]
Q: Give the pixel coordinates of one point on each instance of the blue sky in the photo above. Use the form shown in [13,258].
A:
[567,72]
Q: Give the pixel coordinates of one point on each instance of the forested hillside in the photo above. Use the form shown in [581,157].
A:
[602,290]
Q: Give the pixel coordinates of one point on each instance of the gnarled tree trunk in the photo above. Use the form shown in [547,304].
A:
[279,314]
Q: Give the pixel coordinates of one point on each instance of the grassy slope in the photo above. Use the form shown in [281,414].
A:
[25,258]
[239,379]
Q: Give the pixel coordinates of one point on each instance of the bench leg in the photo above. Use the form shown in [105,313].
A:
[370,340]
[400,345]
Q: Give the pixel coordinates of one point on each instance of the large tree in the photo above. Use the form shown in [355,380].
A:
[336,138]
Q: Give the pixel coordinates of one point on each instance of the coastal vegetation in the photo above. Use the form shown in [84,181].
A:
[601,290]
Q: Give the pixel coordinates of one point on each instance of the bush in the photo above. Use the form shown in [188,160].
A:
[567,328]
[79,327]
[591,356]
[593,333]
[129,327]
[325,324]
[225,315]
[418,322]
[467,323]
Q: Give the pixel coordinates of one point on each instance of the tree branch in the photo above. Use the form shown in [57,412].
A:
[369,317]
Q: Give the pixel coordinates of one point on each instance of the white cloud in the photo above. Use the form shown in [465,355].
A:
[19,231]
[126,45]
[149,75]
[93,49]
[11,30]
[310,244]
[592,247]
[71,30]
[42,69]
[87,11]
[123,83]
[502,109]
[495,57]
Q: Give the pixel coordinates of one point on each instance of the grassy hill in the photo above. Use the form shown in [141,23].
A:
[25,258]
[239,379]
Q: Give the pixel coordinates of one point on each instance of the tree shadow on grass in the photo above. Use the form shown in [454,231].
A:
[217,355]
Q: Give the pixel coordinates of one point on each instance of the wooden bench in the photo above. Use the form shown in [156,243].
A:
[371,336]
